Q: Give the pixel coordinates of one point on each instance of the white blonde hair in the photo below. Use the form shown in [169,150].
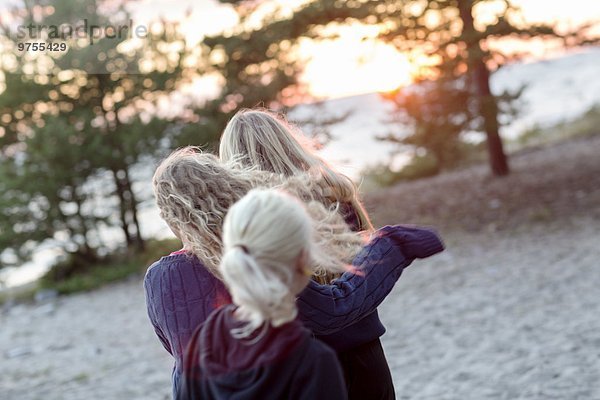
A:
[194,191]
[266,235]
[265,140]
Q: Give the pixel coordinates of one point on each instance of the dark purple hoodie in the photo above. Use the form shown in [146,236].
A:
[276,363]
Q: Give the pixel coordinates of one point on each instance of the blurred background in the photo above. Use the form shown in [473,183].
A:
[479,117]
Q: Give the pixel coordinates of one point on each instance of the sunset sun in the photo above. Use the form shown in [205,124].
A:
[349,66]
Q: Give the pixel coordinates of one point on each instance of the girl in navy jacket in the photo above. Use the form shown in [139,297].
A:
[257,348]
[194,192]
[261,139]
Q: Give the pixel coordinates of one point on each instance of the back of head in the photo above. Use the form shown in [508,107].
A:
[262,139]
[268,244]
[259,138]
[194,191]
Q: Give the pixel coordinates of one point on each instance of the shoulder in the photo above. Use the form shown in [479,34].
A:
[319,375]
[179,271]
[180,261]
[321,350]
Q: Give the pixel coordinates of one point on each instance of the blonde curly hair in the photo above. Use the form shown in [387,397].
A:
[194,192]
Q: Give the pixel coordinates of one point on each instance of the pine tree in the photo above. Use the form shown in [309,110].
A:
[71,138]
[459,45]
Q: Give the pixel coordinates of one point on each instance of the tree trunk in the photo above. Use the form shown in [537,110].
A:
[122,209]
[488,109]
[133,204]
[88,252]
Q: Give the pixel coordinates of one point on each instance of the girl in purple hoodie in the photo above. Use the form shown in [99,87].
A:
[257,348]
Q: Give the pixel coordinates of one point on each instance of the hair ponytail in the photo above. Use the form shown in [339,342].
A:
[267,236]
[260,294]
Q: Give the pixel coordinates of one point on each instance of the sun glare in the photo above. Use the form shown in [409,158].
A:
[348,65]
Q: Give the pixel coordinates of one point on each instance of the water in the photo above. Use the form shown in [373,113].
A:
[557,90]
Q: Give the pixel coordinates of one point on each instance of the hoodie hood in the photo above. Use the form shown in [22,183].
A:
[274,363]
[221,354]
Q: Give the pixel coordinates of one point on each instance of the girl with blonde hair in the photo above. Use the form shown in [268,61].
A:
[262,347]
[264,140]
[194,192]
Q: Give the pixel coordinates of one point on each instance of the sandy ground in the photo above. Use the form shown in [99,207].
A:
[500,317]
[98,345]
[496,316]
[509,311]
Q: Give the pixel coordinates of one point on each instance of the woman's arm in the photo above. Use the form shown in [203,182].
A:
[325,309]
[152,314]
